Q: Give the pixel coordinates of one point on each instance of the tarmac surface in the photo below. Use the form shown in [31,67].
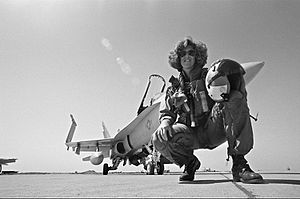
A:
[205,185]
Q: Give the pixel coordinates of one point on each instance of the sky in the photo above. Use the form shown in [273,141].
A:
[92,59]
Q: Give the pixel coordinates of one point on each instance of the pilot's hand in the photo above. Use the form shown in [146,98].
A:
[163,131]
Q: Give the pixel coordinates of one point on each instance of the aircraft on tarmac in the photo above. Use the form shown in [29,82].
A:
[133,143]
[5,162]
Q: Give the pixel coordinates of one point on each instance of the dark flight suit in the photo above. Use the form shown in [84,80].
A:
[215,122]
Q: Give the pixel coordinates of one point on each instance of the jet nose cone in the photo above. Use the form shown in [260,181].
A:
[252,69]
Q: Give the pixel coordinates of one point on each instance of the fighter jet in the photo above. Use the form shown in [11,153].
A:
[133,142]
[5,162]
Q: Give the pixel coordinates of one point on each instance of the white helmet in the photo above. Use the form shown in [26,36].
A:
[219,87]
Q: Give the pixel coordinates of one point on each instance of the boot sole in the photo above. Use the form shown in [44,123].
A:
[253,181]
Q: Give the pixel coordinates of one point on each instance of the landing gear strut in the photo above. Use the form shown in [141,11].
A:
[154,161]
[151,166]
[116,163]
[160,168]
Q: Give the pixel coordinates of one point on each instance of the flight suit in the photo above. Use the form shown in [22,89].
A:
[214,122]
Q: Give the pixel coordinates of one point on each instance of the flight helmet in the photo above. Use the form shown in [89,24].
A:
[218,87]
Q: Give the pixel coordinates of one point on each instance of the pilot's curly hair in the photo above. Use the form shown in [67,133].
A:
[199,47]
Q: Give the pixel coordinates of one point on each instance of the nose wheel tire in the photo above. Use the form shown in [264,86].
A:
[160,168]
[150,169]
[105,169]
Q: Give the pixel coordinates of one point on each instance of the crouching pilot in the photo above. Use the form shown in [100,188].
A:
[203,109]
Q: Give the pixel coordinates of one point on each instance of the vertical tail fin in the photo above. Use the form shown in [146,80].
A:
[72,130]
[105,131]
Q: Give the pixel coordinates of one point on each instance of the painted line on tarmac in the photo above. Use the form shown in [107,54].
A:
[245,191]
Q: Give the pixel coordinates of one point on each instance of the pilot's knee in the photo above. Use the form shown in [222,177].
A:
[183,139]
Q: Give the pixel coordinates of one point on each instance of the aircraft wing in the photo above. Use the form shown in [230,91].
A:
[91,145]
[5,161]
[132,125]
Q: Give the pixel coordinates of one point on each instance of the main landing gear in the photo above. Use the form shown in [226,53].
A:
[116,163]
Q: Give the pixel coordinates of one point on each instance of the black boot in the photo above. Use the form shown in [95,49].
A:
[242,172]
[189,170]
